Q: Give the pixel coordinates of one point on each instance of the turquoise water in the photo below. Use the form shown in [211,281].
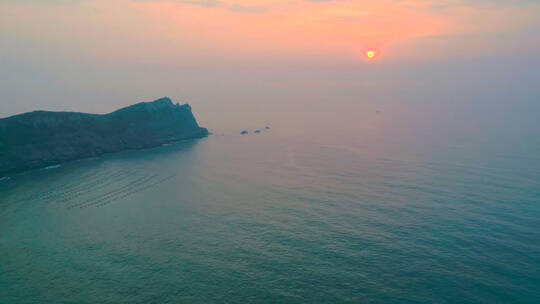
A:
[271,219]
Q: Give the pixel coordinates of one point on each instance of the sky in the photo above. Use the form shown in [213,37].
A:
[294,64]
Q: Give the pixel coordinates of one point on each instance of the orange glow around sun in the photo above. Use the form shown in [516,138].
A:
[240,29]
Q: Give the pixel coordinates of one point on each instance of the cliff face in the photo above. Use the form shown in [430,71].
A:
[38,139]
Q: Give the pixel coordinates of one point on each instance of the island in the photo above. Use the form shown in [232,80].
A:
[42,138]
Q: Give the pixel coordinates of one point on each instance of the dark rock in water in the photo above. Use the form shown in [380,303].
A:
[267,128]
[257,131]
[41,138]
[244,132]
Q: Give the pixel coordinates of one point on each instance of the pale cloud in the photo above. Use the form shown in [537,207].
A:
[235,6]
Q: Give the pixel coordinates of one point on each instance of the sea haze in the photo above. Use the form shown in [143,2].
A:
[271,218]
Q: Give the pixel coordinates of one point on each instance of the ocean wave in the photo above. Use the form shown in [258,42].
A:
[52,167]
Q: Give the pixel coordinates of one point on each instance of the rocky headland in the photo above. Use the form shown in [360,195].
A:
[41,138]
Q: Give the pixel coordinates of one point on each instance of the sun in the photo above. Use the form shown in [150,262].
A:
[370,54]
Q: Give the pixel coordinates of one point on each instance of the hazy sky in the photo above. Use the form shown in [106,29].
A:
[294,63]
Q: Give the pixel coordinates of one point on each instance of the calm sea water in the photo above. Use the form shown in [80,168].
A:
[271,219]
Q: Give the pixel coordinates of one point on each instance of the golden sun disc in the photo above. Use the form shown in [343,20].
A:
[370,54]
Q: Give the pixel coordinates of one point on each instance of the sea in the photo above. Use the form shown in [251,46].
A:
[277,218]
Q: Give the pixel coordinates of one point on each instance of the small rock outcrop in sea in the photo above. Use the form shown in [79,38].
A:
[39,139]
[257,131]
[244,132]
[267,128]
